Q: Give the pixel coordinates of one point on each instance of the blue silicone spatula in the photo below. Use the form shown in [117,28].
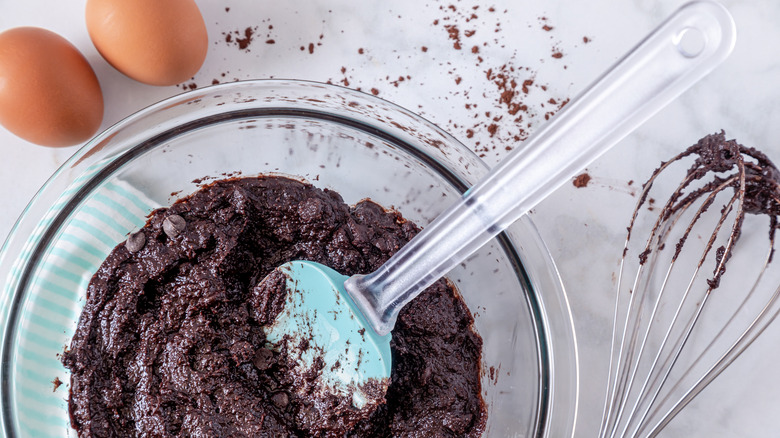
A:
[348,319]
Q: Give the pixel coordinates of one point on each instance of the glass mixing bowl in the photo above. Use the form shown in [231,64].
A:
[356,144]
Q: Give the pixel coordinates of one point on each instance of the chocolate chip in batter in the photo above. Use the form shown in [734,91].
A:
[173,225]
[135,241]
[263,359]
[280,399]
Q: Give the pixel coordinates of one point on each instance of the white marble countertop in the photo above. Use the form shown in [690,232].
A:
[405,51]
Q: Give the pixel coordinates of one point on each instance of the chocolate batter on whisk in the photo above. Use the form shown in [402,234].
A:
[663,290]
[752,176]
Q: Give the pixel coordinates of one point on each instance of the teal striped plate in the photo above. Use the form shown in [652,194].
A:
[57,284]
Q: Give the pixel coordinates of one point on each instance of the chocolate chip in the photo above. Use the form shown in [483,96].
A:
[135,241]
[280,399]
[263,358]
[173,225]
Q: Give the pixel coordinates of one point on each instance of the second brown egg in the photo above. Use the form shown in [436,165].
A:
[157,42]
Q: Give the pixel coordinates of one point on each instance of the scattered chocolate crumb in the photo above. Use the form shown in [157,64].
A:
[454,34]
[581,180]
[227,9]
[57,383]
[586,40]
[527,83]
[243,43]
[517,106]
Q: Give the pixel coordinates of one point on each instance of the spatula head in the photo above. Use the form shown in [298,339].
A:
[321,330]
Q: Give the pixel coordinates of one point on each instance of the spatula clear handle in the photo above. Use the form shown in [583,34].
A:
[682,50]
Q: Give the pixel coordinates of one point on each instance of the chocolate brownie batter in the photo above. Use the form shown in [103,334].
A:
[171,343]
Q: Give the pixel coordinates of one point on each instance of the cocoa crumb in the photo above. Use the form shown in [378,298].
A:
[374,91]
[586,40]
[454,34]
[424,49]
[361,51]
[57,383]
[557,55]
[581,180]
[243,43]
[527,83]
[311,48]
[270,41]
[547,27]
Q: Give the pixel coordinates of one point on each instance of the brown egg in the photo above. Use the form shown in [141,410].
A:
[157,42]
[49,94]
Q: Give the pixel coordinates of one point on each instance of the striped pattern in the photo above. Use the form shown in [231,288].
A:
[55,298]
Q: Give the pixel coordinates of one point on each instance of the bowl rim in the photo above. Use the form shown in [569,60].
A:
[550,399]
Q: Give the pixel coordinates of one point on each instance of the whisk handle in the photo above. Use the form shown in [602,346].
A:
[683,49]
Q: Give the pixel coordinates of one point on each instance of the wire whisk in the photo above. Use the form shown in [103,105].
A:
[680,316]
